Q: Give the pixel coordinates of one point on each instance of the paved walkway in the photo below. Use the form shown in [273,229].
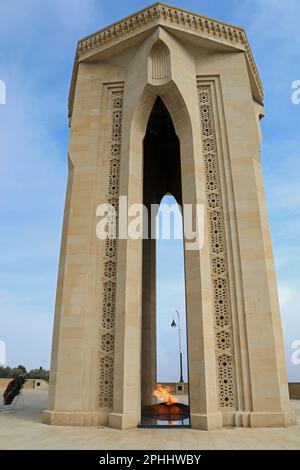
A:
[22,429]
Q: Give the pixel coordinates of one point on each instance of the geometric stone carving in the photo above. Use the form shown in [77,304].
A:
[107,322]
[109,303]
[220,280]
[106,382]
[225,377]
[107,342]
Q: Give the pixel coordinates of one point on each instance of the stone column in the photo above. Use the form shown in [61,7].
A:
[149,360]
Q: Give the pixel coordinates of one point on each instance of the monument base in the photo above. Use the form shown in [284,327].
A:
[123,421]
[75,418]
[269,419]
[207,422]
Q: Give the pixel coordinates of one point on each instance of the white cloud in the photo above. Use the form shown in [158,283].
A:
[286,294]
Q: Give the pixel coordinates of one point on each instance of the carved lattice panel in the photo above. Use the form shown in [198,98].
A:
[107,321]
[219,270]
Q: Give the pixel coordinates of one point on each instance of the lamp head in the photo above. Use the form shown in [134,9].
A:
[173,324]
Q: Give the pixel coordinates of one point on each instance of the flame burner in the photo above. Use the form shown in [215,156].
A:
[164,414]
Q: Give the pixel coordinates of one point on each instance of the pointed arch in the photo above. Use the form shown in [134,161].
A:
[176,106]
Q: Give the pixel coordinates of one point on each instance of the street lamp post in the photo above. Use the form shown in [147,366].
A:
[173,324]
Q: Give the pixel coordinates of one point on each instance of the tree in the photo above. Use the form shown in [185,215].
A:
[11,372]
[39,374]
[5,372]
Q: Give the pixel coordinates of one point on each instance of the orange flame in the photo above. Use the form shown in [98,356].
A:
[163,394]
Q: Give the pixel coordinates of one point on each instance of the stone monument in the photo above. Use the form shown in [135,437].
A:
[167,101]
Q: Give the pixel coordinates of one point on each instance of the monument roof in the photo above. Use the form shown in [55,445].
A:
[162,14]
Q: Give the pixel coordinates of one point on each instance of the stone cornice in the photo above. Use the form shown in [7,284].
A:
[163,14]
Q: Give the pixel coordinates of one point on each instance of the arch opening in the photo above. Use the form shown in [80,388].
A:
[163,362]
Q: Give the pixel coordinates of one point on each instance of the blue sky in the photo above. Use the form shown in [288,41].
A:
[37,45]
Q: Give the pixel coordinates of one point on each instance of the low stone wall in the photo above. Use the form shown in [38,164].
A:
[294,389]
[31,384]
